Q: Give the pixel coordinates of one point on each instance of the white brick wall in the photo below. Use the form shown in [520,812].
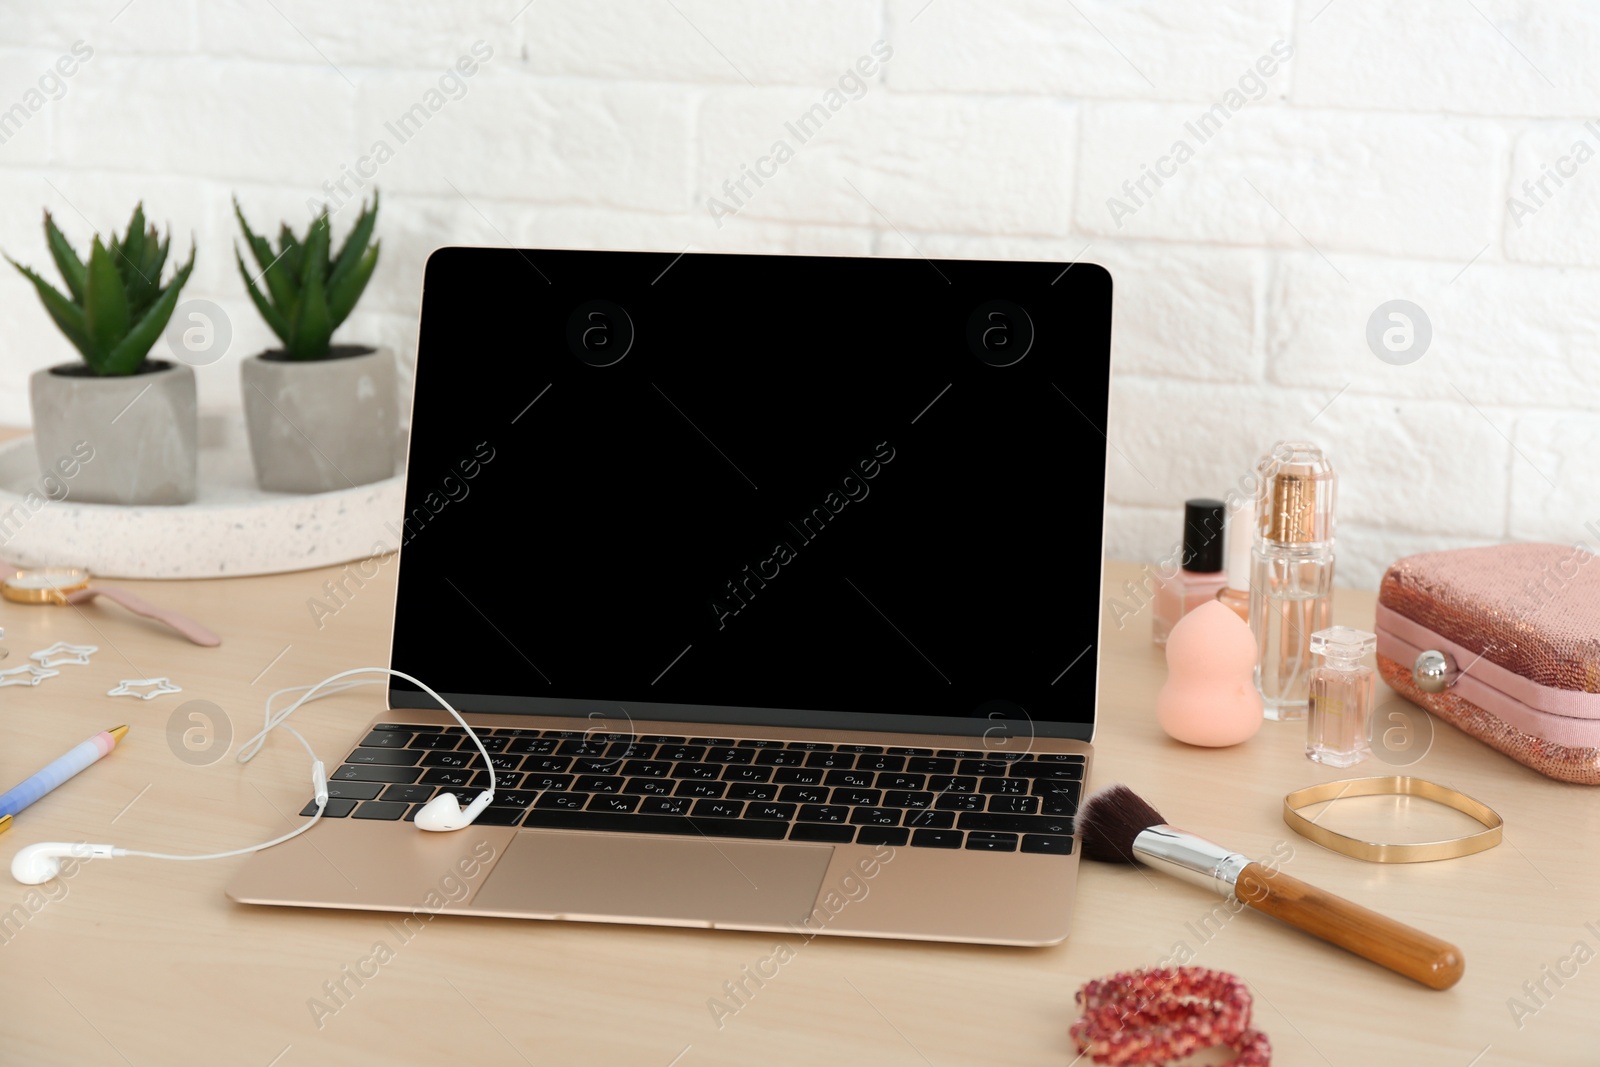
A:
[1375,164]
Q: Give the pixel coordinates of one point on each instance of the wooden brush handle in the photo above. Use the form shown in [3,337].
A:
[1401,948]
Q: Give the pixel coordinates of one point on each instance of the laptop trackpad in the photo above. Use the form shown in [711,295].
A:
[586,876]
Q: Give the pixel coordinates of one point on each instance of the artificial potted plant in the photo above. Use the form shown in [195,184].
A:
[321,416]
[137,414]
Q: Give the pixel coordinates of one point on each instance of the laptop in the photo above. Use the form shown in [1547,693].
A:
[771,582]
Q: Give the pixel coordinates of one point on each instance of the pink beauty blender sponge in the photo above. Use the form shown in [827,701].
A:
[1210,696]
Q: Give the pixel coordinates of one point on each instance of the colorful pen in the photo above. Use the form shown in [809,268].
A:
[76,759]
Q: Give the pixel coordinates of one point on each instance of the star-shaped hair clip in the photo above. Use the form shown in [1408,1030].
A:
[27,674]
[62,653]
[154,687]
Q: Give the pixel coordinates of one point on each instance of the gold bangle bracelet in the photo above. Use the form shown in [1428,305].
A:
[1396,785]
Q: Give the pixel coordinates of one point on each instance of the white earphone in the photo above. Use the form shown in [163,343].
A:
[38,863]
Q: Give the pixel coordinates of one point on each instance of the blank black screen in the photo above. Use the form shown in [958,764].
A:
[800,484]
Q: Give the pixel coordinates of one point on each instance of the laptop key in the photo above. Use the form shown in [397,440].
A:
[1029,769]
[648,787]
[1009,805]
[982,767]
[805,794]
[547,764]
[402,726]
[596,765]
[875,816]
[892,836]
[824,813]
[494,816]
[337,809]
[945,783]
[816,831]
[857,797]
[640,768]
[780,812]
[448,759]
[752,791]
[681,752]
[654,824]
[730,755]
[624,750]
[901,798]
[1060,757]
[410,794]
[597,783]
[380,738]
[665,806]
[438,740]
[780,757]
[386,757]
[760,743]
[811,746]
[931,819]
[841,760]
[747,774]
[724,742]
[582,748]
[547,781]
[901,750]
[931,766]
[863,779]
[513,798]
[958,753]
[859,749]
[561,801]
[491,743]
[706,771]
[902,781]
[1039,824]
[799,775]
[502,762]
[660,739]
[1060,800]
[1047,844]
[936,839]
[359,790]
[992,842]
[1008,786]
[608,802]
[719,809]
[380,809]
[874,762]
[352,772]
[693,788]
[444,776]
[508,780]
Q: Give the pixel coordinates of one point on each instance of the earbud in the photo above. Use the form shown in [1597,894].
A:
[444,812]
[37,864]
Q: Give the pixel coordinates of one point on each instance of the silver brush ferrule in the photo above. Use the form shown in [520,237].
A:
[1194,859]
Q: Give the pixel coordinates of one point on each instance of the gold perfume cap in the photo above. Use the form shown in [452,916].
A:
[1296,496]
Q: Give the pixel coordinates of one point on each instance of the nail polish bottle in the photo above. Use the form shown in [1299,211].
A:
[1291,572]
[1201,577]
[1341,695]
[1241,536]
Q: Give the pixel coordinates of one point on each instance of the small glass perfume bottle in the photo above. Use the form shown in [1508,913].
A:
[1291,572]
[1342,689]
[1201,576]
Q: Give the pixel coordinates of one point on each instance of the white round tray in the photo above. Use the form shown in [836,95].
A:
[232,528]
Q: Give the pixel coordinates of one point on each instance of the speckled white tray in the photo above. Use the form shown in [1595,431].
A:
[232,528]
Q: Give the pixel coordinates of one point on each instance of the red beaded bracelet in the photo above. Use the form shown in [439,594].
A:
[1151,1016]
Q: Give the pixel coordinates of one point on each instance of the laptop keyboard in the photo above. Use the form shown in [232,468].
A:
[717,787]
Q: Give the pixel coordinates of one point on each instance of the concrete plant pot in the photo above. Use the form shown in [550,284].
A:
[320,425]
[142,428]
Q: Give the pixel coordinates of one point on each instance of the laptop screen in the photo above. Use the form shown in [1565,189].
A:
[787,490]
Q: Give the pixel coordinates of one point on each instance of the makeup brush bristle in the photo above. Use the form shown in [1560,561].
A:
[1109,822]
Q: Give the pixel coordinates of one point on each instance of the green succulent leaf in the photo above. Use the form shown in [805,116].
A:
[133,243]
[280,283]
[274,319]
[289,251]
[312,327]
[316,250]
[68,316]
[343,292]
[67,261]
[355,245]
[126,356]
[105,304]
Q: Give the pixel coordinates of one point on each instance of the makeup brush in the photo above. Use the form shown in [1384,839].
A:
[1117,826]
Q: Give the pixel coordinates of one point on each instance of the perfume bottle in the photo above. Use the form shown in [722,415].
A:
[1342,689]
[1291,572]
[1201,576]
[1240,540]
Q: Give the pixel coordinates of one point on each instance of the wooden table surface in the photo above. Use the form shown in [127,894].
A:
[141,962]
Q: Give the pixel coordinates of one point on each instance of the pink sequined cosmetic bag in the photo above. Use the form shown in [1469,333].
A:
[1520,627]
